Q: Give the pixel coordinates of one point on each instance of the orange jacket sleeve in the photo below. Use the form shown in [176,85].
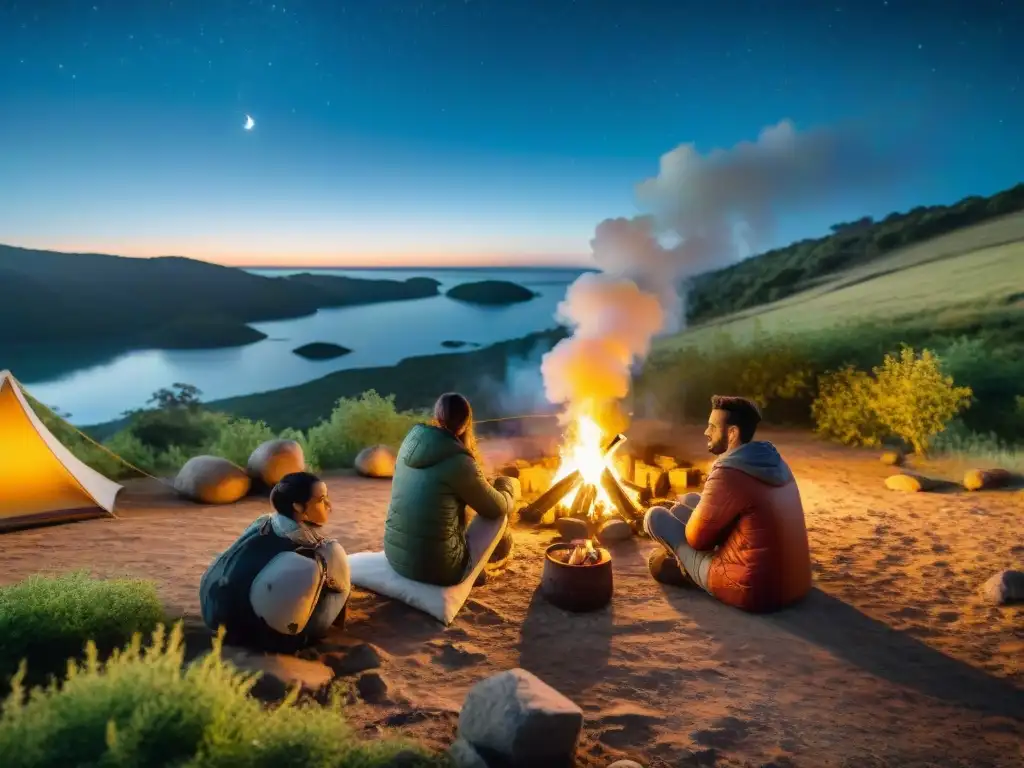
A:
[718,508]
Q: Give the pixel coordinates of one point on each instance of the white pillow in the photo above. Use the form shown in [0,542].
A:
[371,571]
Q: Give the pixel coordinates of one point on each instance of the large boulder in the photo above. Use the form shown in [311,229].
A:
[273,460]
[376,461]
[521,720]
[212,480]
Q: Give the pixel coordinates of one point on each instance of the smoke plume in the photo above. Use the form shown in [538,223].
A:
[700,213]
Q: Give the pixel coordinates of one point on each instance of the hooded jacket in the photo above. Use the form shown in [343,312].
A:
[436,478]
[751,510]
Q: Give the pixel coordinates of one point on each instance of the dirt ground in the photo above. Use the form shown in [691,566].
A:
[894,660]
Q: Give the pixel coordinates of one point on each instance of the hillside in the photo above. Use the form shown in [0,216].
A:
[783,272]
[170,302]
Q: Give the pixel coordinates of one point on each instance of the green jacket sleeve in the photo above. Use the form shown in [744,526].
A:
[470,485]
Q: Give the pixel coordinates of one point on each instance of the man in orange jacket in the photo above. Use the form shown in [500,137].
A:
[744,540]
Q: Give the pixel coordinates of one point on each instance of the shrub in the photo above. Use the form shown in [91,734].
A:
[357,423]
[144,707]
[915,399]
[235,439]
[48,619]
[299,437]
[846,409]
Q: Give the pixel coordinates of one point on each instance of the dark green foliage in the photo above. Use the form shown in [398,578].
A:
[48,620]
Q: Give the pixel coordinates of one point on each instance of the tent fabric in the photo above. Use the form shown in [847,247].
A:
[41,481]
[370,571]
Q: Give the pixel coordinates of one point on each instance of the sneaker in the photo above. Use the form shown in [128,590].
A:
[666,570]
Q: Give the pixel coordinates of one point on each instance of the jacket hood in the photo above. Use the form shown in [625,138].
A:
[426,446]
[760,460]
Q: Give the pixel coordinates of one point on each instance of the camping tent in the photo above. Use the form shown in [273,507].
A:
[40,480]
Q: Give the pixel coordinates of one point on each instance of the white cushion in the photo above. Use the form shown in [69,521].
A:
[285,592]
[371,571]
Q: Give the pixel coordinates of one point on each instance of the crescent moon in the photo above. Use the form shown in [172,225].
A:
[249,123]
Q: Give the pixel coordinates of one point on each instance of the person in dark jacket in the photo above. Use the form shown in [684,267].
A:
[282,584]
[437,476]
[744,539]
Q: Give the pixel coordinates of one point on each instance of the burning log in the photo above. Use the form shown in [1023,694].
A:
[622,502]
[583,502]
[583,553]
[532,513]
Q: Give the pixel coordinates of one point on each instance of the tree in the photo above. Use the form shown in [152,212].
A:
[177,396]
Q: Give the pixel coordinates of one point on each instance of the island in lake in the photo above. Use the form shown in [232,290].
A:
[491,293]
[321,350]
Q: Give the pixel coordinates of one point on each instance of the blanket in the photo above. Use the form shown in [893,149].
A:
[370,571]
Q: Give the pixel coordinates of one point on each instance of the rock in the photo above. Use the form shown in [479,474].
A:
[491,293]
[359,658]
[892,458]
[625,764]
[372,687]
[985,479]
[909,483]
[212,480]
[273,460]
[376,461]
[572,528]
[613,530]
[279,672]
[1004,588]
[321,350]
[464,755]
[522,720]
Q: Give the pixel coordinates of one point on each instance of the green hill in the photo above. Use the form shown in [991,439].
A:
[170,302]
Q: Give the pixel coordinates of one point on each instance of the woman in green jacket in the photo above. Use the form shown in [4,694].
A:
[437,476]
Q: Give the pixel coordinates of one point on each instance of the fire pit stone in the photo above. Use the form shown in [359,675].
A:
[571,528]
[614,530]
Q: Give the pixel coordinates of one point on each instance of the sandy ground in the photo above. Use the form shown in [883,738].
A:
[894,660]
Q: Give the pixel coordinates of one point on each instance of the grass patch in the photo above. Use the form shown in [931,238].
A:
[48,620]
[143,707]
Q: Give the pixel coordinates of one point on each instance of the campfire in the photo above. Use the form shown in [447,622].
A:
[587,486]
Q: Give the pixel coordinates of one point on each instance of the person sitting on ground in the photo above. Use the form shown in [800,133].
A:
[437,475]
[282,585]
[744,540]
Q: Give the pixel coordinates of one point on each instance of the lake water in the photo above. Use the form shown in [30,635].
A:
[377,334]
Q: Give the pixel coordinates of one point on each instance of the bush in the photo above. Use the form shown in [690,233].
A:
[237,438]
[143,707]
[988,449]
[48,619]
[908,398]
[357,423]
[846,408]
[916,401]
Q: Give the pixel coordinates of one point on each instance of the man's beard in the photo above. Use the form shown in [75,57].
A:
[717,449]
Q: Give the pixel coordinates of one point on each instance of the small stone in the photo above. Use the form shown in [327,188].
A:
[459,655]
[522,720]
[464,755]
[892,458]
[1004,588]
[571,528]
[359,658]
[625,764]
[614,530]
[375,461]
[372,688]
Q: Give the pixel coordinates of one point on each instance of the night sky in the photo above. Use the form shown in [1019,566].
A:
[405,132]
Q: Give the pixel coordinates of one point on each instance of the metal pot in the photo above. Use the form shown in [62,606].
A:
[577,588]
